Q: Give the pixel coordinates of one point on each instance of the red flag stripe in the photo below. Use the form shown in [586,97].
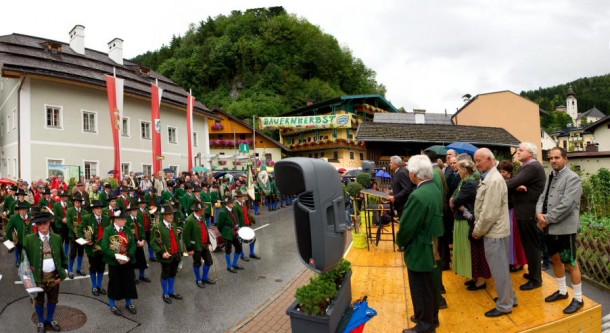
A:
[190,101]
[115,119]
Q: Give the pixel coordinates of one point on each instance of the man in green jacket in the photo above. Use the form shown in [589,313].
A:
[228,223]
[19,226]
[196,239]
[59,211]
[92,230]
[166,243]
[74,217]
[421,221]
[48,262]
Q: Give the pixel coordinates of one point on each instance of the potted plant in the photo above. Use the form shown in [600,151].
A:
[321,303]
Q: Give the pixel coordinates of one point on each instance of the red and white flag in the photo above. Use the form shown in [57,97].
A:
[155,96]
[114,87]
[190,103]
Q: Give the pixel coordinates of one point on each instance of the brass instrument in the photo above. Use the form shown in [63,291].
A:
[75,224]
[88,233]
[116,245]
[15,235]
[179,230]
[159,239]
[152,210]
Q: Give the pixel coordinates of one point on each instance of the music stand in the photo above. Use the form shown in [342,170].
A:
[379,208]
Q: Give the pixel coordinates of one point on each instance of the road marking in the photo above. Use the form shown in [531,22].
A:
[262,226]
[68,279]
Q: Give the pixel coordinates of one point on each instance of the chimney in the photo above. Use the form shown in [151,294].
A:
[77,39]
[115,50]
[420,116]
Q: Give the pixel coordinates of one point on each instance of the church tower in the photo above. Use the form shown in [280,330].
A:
[572,105]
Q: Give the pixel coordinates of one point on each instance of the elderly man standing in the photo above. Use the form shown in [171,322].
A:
[557,213]
[401,185]
[492,222]
[525,188]
[420,222]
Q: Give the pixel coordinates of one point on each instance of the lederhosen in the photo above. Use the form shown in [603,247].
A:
[47,280]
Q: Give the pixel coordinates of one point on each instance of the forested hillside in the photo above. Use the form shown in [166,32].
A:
[262,61]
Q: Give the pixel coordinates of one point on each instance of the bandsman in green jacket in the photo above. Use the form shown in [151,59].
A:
[228,223]
[206,199]
[151,197]
[19,226]
[168,194]
[148,222]
[20,199]
[48,262]
[122,201]
[46,200]
[8,202]
[197,241]
[60,209]
[166,243]
[74,217]
[136,223]
[106,194]
[92,230]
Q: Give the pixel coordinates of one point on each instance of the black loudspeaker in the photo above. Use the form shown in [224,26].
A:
[368,166]
[319,211]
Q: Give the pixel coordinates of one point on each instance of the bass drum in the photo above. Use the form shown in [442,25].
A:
[216,240]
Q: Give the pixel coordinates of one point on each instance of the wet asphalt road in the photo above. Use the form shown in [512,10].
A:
[213,309]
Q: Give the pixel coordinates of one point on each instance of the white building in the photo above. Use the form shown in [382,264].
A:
[54,110]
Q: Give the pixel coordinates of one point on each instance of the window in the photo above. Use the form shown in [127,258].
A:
[147,170]
[322,154]
[125,127]
[89,122]
[171,134]
[90,169]
[125,168]
[195,140]
[145,130]
[175,168]
[335,155]
[14,124]
[351,155]
[362,156]
[268,157]
[53,117]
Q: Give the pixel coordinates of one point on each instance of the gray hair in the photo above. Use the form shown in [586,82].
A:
[464,156]
[486,152]
[397,160]
[531,148]
[421,166]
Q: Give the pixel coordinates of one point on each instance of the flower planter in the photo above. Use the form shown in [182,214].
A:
[301,322]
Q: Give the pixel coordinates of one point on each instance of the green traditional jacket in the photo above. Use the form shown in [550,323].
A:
[8,203]
[160,241]
[33,248]
[192,233]
[226,222]
[19,224]
[121,203]
[257,192]
[60,213]
[46,202]
[186,201]
[274,188]
[109,257]
[72,217]
[12,209]
[141,215]
[132,226]
[206,198]
[91,221]
[179,193]
[103,198]
[151,200]
[166,197]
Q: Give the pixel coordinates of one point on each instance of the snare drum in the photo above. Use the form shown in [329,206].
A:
[215,238]
[213,243]
[246,234]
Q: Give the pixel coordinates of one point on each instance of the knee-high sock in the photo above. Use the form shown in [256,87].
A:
[100,277]
[93,278]
[256,209]
[170,285]
[235,259]
[164,286]
[66,247]
[50,311]
[111,303]
[228,259]
[206,271]
[128,301]
[142,272]
[207,221]
[40,312]
[79,263]
[70,265]
[151,252]
[252,248]
[197,273]
[17,256]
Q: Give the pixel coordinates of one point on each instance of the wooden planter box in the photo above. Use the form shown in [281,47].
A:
[302,322]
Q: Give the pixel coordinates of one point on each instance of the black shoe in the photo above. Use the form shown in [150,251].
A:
[574,306]
[527,276]
[80,273]
[474,286]
[231,269]
[209,281]
[555,297]
[131,308]
[245,259]
[413,319]
[514,304]
[40,328]
[176,296]
[102,291]
[95,292]
[166,299]
[200,284]
[54,326]
[545,266]
[443,304]
[137,281]
[513,268]
[71,275]
[254,256]
[496,313]
[470,282]
[144,278]
[443,290]
[530,285]
[116,311]
[238,267]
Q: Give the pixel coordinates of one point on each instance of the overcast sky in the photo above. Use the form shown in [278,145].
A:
[427,53]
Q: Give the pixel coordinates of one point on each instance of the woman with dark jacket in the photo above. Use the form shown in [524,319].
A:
[468,254]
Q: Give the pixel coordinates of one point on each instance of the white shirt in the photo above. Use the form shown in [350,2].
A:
[167,224]
[48,265]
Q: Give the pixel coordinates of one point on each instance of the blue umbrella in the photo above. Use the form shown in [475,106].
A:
[462,147]
[361,315]
[168,170]
[383,174]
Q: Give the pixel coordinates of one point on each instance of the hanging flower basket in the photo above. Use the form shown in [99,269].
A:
[236,163]
[217,127]
[270,163]
[250,142]
[222,162]
[259,163]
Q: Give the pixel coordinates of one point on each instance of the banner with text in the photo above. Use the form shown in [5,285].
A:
[307,122]
[114,87]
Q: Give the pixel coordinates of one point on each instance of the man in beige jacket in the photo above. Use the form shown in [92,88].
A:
[492,223]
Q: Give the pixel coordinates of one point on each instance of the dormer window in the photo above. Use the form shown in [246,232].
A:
[52,47]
